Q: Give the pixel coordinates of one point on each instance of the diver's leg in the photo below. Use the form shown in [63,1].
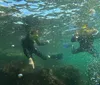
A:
[56,56]
[93,52]
[38,53]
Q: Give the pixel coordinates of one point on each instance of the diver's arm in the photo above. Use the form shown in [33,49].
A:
[31,62]
[74,38]
[96,35]
[41,43]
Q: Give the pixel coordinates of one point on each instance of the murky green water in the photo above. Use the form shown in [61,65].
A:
[57,20]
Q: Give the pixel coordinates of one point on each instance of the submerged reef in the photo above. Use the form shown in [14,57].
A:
[19,73]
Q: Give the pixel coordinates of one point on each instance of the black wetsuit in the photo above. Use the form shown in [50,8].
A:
[29,48]
[86,45]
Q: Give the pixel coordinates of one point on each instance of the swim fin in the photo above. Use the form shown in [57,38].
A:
[56,56]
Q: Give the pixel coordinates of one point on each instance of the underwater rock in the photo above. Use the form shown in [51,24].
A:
[69,75]
[29,76]
[19,73]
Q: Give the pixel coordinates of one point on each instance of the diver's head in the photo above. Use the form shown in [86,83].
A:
[84,26]
[33,34]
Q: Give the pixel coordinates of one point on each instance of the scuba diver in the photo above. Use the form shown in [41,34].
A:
[85,37]
[29,48]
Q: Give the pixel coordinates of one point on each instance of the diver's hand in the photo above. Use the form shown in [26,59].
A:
[72,46]
[48,41]
[73,49]
[31,62]
[49,56]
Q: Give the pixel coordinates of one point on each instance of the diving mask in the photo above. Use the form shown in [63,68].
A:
[34,34]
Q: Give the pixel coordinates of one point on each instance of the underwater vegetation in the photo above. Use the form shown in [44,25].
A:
[19,73]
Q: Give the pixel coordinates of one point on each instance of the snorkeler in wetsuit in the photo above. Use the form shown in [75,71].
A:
[29,48]
[85,37]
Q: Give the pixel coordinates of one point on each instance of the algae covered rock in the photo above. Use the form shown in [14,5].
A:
[40,76]
[69,75]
